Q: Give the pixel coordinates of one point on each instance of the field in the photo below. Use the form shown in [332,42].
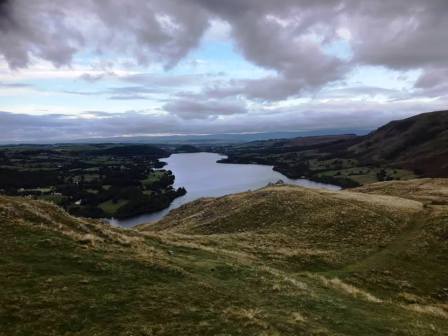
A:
[322,161]
[366,175]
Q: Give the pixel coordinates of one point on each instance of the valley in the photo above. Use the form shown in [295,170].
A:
[223,168]
[125,181]
[400,150]
[276,260]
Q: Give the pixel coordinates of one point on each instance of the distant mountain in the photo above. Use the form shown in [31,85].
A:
[419,143]
[224,138]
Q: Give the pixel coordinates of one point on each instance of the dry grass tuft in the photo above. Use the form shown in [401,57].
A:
[285,278]
[410,298]
[438,311]
[339,285]
[88,239]
[298,317]
[428,190]
[247,316]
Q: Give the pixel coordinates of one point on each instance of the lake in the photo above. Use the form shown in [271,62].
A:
[202,176]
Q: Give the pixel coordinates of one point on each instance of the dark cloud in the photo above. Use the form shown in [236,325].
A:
[401,34]
[289,37]
[36,28]
[432,83]
[432,78]
[157,30]
[6,17]
[284,35]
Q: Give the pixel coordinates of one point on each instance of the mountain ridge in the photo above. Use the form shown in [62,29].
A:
[419,143]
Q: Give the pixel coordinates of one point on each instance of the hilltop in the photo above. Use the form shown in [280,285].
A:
[281,260]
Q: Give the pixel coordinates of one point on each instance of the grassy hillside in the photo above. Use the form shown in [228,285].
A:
[419,143]
[277,261]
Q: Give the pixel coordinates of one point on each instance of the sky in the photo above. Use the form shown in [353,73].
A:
[77,69]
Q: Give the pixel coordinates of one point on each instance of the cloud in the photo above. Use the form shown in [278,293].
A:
[363,92]
[92,78]
[185,116]
[35,28]
[400,34]
[162,31]
[287,36]
[4,85]
[284,37]
[432,83]
[192,109]
[432,78]
[143,85]
[305,48]
[129,97]
[163,81]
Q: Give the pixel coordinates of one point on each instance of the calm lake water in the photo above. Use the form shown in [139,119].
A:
[202,176]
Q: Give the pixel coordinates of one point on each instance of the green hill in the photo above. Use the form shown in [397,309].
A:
[418,143]
[277,261]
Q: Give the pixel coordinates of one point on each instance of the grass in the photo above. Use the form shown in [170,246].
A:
[91,177]
[277,261]
[56,199]
[366,175]
[315,164]
[110,207]
[154,177]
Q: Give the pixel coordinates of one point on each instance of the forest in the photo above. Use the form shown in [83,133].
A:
[94,180]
